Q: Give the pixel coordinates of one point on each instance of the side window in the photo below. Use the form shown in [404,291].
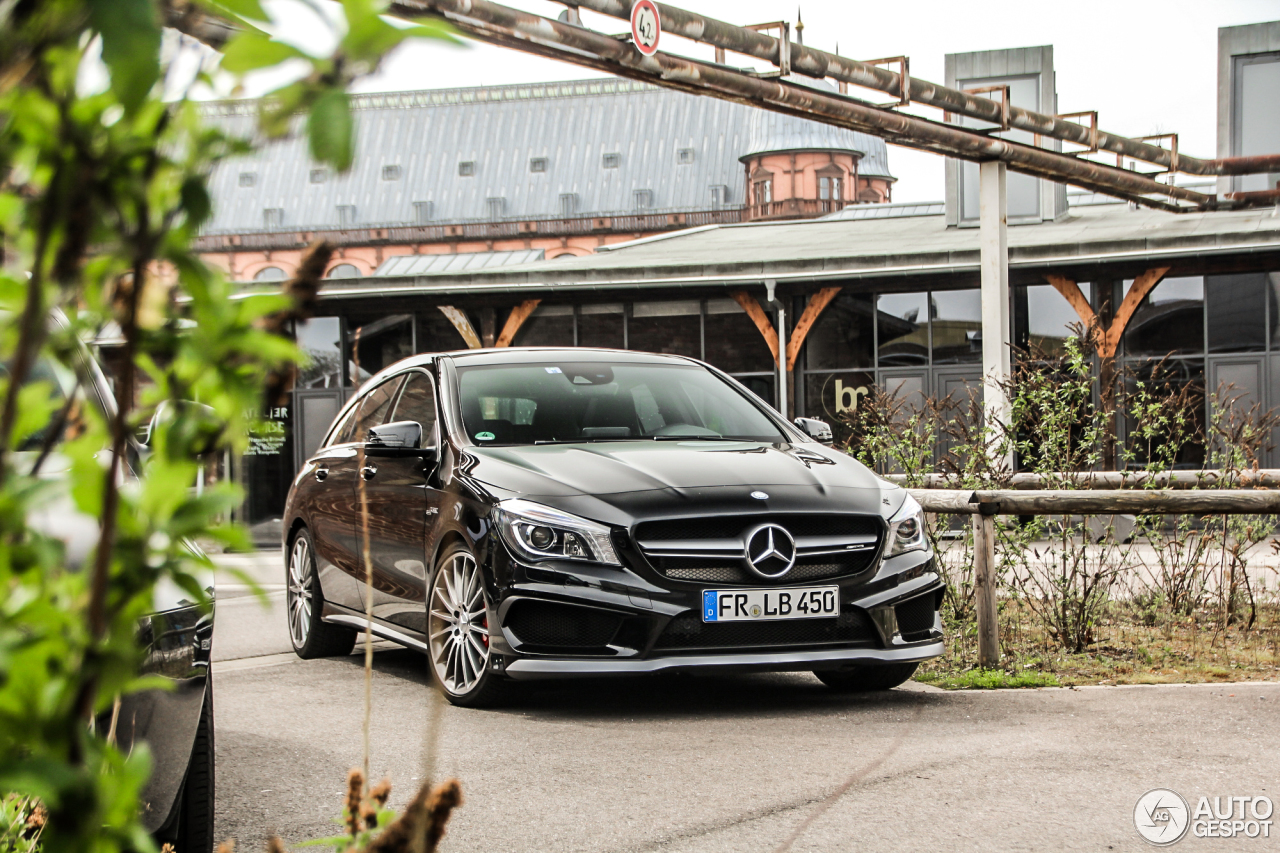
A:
[370,412]
[418,403]
[342,432]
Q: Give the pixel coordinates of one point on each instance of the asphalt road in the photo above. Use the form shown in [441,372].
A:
[739,763]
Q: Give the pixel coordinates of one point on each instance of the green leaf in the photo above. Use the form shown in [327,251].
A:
[252,49]
[332,130]
[246,9]
[130,47]
[195,200]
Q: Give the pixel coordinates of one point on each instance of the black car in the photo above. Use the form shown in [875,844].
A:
[540,513]
[175,723]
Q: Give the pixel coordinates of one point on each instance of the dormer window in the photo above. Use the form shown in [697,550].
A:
[684,156]
[830,183]
[538,164]
[391,173]
[611,161]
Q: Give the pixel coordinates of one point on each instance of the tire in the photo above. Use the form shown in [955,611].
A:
[862,679]
[195,815]
[304,599]
[458,632]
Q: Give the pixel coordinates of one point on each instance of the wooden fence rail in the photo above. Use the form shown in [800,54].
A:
[985,505]
[1268,478]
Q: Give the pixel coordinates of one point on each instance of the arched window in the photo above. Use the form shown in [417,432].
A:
[344,271]
[270,274]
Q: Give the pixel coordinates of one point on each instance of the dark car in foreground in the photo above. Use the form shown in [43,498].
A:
[175,723]
[543,513]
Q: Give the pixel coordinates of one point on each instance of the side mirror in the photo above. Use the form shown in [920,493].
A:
[401,438]
[815,429]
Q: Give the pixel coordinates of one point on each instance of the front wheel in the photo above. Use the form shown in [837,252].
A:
[311,636]
[868,677]
[458,632]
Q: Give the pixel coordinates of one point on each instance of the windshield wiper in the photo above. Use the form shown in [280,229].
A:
[698,438]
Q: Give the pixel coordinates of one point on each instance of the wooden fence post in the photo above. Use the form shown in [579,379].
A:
[984,590]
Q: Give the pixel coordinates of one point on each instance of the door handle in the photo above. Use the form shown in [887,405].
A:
[321,473]
[368,472]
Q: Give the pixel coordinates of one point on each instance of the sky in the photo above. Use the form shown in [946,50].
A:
[1146,67]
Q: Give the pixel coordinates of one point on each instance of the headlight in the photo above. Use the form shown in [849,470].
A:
[536,532]
[906,529]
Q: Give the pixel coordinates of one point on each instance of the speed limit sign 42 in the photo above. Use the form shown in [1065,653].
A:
[646,27]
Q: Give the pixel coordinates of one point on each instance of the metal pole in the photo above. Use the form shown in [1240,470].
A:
[994,264]
[984,590]
[782,360]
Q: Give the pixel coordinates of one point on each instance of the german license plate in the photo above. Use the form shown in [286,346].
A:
[746,605]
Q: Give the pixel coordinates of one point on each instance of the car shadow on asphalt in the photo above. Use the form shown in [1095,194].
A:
[669,696]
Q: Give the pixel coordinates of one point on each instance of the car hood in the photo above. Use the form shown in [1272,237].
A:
[621,481]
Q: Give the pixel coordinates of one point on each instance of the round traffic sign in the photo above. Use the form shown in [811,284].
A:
[646,27]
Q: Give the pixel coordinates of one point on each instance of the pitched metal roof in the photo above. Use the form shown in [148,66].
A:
[401,265]
[826,249]
[412,147]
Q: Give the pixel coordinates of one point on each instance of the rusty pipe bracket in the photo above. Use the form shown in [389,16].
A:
[784,46]
[1173,148]
[1093,129]
[904,79]
[1004,102]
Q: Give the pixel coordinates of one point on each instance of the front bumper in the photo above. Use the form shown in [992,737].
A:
[779,661]
[889,617]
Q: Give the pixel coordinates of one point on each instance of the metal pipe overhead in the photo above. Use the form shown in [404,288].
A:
[492,22]
[819,64]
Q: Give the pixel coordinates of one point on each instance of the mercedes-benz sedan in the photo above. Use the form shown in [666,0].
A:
[543,513]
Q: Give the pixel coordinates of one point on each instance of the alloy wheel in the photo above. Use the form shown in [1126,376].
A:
[299,592]
[458,624]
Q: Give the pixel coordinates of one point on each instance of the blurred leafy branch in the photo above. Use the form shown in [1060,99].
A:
[102,192]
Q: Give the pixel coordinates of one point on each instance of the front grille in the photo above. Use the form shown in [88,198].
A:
[689,632]
[727,526]
[544,623]
[916,617]
[717,571]
[725,566]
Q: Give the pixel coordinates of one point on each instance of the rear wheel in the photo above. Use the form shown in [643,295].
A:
[458,632]
[194,830]
[868,677]
[304,600]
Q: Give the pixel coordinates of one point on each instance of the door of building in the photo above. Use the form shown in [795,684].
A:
[1238,382]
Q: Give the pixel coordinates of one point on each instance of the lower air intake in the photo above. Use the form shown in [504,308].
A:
[562,626]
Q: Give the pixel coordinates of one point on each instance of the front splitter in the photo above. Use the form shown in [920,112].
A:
[534,668]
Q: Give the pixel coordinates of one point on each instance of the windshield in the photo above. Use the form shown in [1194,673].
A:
[574,402]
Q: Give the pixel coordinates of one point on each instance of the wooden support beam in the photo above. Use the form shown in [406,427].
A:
[752,306]
[818,303]
[1108,340]
[515,320]
[984,590]
[462,324]
[1142,285]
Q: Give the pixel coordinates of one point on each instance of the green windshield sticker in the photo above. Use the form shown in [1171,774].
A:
[485,436]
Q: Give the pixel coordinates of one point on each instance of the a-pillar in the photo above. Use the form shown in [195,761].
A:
[994,263]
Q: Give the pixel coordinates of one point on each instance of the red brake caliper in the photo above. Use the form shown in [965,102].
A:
[485,622]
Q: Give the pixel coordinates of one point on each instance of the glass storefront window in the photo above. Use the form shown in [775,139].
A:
[734,344]
[903,326]
[547,326]
[601,325]
[843,337]
[673,328]
[377,342]
[437,334]
[1170,377]
[1044,319]
[1236,312]
[1169,320]
[957,326]
[833,396]
[320,340]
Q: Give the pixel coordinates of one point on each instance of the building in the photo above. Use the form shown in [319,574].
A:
[563,168]
[874,294]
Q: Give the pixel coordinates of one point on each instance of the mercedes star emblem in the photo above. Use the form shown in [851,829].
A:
[769,550]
